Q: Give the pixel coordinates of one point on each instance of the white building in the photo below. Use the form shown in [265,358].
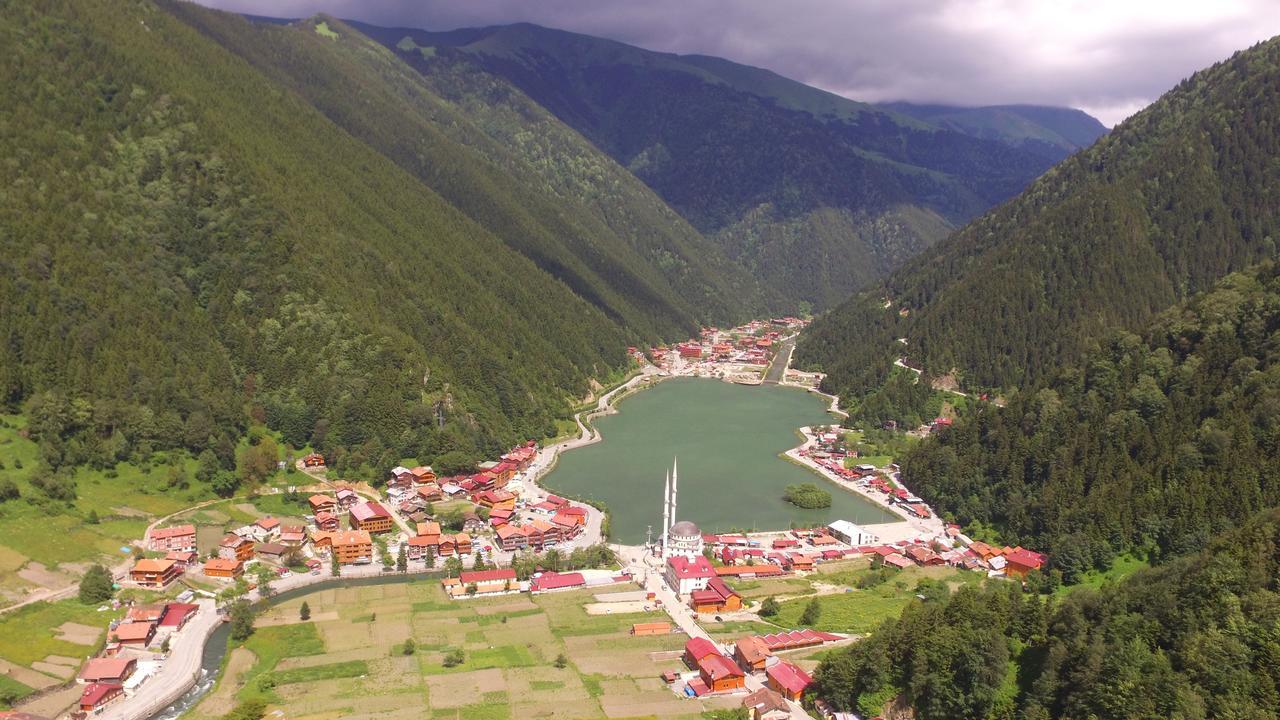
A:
[684,574]
[850,534]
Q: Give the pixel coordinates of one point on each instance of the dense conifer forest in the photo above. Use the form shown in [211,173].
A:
[192,246]
[1171,200]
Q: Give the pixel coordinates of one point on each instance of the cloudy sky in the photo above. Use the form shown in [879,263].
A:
[1108,57]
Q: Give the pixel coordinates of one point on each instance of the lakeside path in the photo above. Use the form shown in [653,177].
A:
[908,528]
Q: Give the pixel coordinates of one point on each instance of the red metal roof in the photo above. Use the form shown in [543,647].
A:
[700,647]
[369,510]
[685,568]
[97,692]
[557,581]
[718,666]
[175,613]
[789,676]
[480,576]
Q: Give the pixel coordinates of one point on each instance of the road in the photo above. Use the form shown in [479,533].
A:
[176,675]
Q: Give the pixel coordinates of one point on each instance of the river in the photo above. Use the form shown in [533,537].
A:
[728,439]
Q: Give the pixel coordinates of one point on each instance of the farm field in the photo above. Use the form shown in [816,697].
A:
[857,606]
[348,661]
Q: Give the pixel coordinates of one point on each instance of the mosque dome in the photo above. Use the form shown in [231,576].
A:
[685,529]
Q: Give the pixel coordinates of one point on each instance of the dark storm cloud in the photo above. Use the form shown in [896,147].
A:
[1107,57]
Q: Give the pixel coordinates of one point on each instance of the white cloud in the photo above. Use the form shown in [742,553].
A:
[1109,57]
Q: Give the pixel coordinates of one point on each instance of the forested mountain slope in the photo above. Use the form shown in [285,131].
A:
[190,245]
[1168,202]
[510,166]
[815,194]
[1195,638]
[1053,132]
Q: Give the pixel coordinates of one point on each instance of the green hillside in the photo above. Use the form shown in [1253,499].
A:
[1170,201]
[508,165]
[192,244]
[814,194]
[1193,639]
[1053,132]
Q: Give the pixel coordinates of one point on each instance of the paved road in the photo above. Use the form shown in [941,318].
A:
[176,675]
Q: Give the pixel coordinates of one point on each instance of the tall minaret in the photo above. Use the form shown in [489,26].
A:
[666,513]
[675,478]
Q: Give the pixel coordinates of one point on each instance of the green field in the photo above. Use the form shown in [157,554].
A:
[347,661]
[854,610]
[49,542]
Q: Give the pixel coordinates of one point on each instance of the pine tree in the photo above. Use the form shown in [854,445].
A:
[304,612]
[96,586]
[402,559]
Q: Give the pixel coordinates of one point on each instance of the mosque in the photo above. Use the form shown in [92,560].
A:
[679,538]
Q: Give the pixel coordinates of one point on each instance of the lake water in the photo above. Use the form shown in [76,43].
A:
[728,439]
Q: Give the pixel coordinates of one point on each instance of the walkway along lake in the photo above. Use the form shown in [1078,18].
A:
[728,439]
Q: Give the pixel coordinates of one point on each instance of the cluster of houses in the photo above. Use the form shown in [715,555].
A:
[266,539]
[473,583]
[829,452]
[801,550]
[133,652]
[748,344]
[725,670]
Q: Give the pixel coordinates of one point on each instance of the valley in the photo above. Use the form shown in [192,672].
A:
[355,369]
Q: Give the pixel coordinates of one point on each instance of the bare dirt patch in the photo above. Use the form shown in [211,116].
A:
[78,634]
[63,660]
[617,608]
[37,574]
[52,704]
[27,676]
[126,511]
[61,671]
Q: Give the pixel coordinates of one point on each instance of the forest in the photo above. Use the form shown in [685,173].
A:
[1151,445]
[194,245]
[1194,638]
[1174,198]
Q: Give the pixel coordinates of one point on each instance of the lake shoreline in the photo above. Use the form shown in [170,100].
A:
[757,486]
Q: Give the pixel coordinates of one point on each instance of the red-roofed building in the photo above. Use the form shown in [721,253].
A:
[720,674]
[326,521]
[133,633]
[747,571]
[796,639]
[183,558]
[487,576]
[177,614]
[234,547]
[114,670]
[370,517]
[697,648]
[788,680]
[717,597]
[548,581]
[684,575]
[322,503]
[154,573]
[1022,561]
[99,695]
[178,537]
[751,653]
[314,460]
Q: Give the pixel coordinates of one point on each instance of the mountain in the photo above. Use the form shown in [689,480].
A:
[816,195]
[1053,132]
[1164,205]
[199,235]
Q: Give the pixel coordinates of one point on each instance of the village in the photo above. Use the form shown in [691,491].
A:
[495,532]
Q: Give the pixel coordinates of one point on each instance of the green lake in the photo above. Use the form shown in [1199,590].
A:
[728,439]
